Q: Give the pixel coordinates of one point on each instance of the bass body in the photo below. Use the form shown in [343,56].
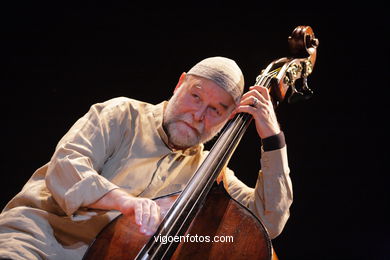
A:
[215,233]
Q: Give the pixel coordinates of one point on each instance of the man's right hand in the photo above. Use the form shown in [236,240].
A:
[145,211]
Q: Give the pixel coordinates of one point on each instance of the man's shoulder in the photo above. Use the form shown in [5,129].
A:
[125,103]
[124,108]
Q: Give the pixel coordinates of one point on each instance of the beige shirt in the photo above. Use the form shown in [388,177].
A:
[119,143]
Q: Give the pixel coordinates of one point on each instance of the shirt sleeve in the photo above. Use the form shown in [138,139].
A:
[72,175]
[272,196]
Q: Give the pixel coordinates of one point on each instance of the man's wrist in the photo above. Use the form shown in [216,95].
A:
[112,200]
[274,142]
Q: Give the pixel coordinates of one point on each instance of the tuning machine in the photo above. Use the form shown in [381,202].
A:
[302,91]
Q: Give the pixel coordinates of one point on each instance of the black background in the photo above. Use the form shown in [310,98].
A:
[59,58]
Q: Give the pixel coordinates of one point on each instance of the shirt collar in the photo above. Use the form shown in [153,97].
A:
[158,113]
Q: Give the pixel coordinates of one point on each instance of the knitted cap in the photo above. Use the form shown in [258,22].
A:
[224,72]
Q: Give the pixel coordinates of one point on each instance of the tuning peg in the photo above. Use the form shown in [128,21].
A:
[295,96]
[306,91]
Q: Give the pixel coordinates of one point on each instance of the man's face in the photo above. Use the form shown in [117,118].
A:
[196,112]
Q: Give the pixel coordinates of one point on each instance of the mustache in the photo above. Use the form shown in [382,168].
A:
[194,128]
[197,127]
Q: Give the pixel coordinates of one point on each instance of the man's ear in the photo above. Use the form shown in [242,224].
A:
[180,82]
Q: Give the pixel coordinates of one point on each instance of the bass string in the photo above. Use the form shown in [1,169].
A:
[265,80]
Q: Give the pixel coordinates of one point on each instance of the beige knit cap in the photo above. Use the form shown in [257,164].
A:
[223,71]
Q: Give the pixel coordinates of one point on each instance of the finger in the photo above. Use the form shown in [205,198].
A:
[154,216]
[263,91]
[145,215]
[250,96]
[247,109]
[249,99]
[249,93]
[232,114]
[138,213]
[219,178]
[255,101]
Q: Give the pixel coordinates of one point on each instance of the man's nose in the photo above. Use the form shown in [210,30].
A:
[199,114]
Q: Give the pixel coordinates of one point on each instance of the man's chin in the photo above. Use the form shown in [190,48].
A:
[182,136]
[182,143]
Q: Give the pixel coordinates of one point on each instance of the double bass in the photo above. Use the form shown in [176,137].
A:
[203,209]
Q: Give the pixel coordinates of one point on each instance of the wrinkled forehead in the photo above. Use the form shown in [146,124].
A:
[210,89]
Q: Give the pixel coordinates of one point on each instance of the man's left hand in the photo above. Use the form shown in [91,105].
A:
[257,102]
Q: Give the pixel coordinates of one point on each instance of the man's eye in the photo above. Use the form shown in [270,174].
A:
[214,111]
[195,96]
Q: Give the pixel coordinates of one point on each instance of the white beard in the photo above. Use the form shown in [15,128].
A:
[180,135]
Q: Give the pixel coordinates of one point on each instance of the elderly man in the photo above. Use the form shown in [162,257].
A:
[124,152]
